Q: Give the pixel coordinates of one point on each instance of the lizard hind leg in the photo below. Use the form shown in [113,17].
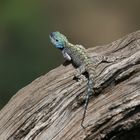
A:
[78,73]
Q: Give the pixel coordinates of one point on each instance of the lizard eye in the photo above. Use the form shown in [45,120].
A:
[56,40]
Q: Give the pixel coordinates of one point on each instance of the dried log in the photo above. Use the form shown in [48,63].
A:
[51,107]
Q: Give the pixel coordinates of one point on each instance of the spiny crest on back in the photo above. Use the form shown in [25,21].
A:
[58,39]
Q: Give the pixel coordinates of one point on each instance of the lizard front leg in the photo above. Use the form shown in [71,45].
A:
[66,56]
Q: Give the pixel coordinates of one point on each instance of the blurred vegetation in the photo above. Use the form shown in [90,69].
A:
[25,50]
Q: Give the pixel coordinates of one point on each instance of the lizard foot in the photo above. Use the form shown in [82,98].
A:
[80,78]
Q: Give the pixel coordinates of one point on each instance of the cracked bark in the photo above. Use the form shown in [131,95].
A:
[51,107]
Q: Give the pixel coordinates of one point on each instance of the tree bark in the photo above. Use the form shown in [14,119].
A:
[51,107]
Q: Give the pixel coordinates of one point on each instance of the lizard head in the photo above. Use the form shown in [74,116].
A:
[58,40]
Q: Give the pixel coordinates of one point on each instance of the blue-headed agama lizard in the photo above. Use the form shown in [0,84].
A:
[80,58]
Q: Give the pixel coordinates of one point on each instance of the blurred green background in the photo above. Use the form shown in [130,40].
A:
[25,49]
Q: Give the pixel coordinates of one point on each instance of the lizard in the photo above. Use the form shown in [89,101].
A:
[78,55]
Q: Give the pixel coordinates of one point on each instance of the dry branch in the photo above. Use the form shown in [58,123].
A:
[51,107]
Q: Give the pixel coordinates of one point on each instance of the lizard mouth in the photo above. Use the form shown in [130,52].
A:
[51,35]
[52,38]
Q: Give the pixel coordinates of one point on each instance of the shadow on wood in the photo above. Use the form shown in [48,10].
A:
[51,107]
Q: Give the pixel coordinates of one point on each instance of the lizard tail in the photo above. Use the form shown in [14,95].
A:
[89,93]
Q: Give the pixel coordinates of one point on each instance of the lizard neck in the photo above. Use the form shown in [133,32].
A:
[69,45]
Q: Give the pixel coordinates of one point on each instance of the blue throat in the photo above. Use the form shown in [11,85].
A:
[59,46]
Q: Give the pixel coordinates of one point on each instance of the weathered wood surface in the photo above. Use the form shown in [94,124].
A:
[51,107]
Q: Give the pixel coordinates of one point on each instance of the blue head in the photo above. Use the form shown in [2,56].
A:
[58,40]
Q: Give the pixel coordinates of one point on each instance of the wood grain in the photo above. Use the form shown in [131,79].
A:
[51,107]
